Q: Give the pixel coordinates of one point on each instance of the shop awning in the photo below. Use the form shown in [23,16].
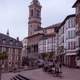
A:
[69,54]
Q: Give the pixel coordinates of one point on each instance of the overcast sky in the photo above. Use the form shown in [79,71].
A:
[14,14]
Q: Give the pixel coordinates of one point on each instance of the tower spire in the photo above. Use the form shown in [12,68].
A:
[7,32]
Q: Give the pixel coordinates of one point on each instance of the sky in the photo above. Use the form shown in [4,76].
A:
[14,15]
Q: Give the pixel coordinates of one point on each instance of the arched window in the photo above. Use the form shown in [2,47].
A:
[31,13]
[38,13]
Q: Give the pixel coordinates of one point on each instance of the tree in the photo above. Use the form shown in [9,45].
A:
[60,49]
[3,56]
[51,56]
[60,52]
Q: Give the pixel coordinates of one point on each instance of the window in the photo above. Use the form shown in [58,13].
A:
[7,49]
[36,48]
[13,50]
[31,12]
[49,45]
[73,22]
[69,24]
[29,50]
[4,41]
[68,45]
[78,10]
[71,45]
[71,34]
[41,49]
[38,13]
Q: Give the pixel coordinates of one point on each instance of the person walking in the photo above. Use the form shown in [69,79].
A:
[60,67]
[56,68]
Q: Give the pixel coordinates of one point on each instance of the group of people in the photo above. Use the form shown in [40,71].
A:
[58,66]
[53,66]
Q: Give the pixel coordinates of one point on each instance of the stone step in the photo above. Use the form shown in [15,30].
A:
[19,77]
[23,77]
[14,78]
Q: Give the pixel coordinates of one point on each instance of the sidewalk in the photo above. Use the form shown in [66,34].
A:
[38,74]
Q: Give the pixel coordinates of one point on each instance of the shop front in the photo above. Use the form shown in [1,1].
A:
[70,59]
[78,59]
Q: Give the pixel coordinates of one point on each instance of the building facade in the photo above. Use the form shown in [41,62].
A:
[62,39]
[69,40]
[24,50]
[34,30]
[77,12]
[60,43]
[48,44]
[13,49]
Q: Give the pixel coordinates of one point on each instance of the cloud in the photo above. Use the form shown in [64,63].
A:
[14,14]
[57,10]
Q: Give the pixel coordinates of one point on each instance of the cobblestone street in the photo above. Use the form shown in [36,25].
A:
[38,74]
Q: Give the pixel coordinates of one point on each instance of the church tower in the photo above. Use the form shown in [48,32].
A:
[34,23]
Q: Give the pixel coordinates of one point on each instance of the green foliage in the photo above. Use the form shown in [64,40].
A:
[51,55]
[48,56]
[44,55]
[3,56]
